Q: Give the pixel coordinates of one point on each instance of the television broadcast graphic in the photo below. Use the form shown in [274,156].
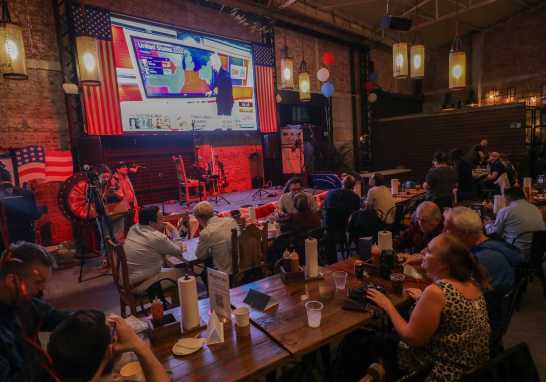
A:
[174,81]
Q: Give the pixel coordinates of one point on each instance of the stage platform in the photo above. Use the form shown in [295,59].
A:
[238,199]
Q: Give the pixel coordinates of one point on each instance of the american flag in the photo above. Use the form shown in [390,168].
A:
[58,165]
[264,61]
[101,102]
[31,163]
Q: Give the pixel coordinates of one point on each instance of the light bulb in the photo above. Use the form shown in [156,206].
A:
[400,60]
[12,49]
[305,86]
[89,61]
[457,71]
[287,74]
[417,61]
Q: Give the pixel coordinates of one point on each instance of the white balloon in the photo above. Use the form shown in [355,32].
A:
[372,97]
[323,74]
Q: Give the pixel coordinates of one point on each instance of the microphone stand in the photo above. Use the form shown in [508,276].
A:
[261,188]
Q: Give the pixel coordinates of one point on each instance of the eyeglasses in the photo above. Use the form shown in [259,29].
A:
[113,333]
[296,189]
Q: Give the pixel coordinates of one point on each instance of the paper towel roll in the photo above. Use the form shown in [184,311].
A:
[499,203]
[311,257]
[394,186]
[385,240]
[187,290]
[252,213]
[527,182]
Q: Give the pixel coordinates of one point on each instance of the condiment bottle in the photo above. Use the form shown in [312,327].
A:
[376,255]
[243,221]
[286,261]
[157,309]
[295,262]
[516,184]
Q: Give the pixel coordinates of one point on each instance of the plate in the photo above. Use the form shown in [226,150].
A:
[539,199]
[187,346]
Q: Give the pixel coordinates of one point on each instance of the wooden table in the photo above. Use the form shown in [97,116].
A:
[479,174]
[235,359]
[405,198]
[287,322]
[385,172]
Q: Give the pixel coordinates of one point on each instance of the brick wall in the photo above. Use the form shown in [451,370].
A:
[382,61]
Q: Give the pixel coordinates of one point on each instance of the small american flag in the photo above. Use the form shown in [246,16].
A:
[58,165]
[31,163]
[264,62]
[101,102]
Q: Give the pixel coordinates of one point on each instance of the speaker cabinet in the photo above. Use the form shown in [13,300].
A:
[90,151]
[396,23]
[271,146]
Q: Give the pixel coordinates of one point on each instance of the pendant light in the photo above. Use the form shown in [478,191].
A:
[417,54]
[399,58]
[88,58]
[12,51]
[448,104]
[471,101]
[457,61]
[287,68]
[305,85]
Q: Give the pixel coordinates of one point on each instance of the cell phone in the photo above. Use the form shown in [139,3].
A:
[487,218]
[170,373]
[355,305]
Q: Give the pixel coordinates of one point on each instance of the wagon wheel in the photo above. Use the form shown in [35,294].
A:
[71,199]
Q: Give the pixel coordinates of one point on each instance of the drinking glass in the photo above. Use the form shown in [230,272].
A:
[314,311]
[397,280]
[184,246]
[340,278]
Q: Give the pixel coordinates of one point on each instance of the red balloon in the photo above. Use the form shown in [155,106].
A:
[328,58]
[368,86]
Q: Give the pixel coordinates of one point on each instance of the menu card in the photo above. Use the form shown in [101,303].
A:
[215,330]
[219,293]
[259,300]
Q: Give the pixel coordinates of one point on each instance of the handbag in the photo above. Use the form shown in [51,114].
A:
[116,211]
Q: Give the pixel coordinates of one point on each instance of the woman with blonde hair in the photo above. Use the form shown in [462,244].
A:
[448,324]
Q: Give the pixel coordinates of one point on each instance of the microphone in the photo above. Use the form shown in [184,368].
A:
[86,167]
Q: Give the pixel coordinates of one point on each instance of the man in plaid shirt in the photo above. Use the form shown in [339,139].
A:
[429,224]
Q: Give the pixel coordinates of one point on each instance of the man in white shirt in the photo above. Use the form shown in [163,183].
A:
[517,217]
[380,198]
[214,246]
[146,246]
[286,202]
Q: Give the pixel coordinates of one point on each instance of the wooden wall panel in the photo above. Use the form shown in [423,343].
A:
[411,141]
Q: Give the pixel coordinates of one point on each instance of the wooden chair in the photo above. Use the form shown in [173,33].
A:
[248,249]
[185,184]
[120,273]
[174,219]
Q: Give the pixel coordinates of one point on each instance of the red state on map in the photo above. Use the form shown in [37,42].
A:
[193,84]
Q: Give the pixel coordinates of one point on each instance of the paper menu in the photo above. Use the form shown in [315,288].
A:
[215,330]
[219,293]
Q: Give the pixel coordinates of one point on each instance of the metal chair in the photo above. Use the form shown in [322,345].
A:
[285,241]
[396,226]
[526,269]
[328,246]
[510,298]
[364,223]
[317,233]
[249,249]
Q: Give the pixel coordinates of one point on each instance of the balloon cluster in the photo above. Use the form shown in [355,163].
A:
[323,75]
[369,86]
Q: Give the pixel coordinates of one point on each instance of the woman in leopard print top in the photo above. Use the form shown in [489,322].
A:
[448,323]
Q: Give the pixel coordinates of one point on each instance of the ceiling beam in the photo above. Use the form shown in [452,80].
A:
[453,14]
[286,4]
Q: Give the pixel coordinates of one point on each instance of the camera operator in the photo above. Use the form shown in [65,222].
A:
[109,191]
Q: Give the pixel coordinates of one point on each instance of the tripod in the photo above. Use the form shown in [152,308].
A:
[217,192]
[92,195]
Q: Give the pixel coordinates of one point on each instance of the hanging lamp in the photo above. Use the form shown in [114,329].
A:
[457,61]
[287,69]
[12,51]
[305,86]
[88,58]
[448,104]
[471,101]
[399,58]
[417,54]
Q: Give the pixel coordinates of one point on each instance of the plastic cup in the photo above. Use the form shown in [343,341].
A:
[314,311]
[397,280]
[131,372]
[340,278]
[242,316]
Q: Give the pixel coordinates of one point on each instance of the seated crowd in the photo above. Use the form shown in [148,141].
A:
[451,324]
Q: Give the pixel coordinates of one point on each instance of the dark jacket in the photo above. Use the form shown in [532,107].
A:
[340,204]
[499,259]
[224,98]
[18,357]
[21,212]
[301,223]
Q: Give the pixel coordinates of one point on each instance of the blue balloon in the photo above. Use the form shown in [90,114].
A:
[373,76]
[327,89]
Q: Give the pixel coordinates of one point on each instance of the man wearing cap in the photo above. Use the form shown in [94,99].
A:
[497,169]
[18,211]
[129,192]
